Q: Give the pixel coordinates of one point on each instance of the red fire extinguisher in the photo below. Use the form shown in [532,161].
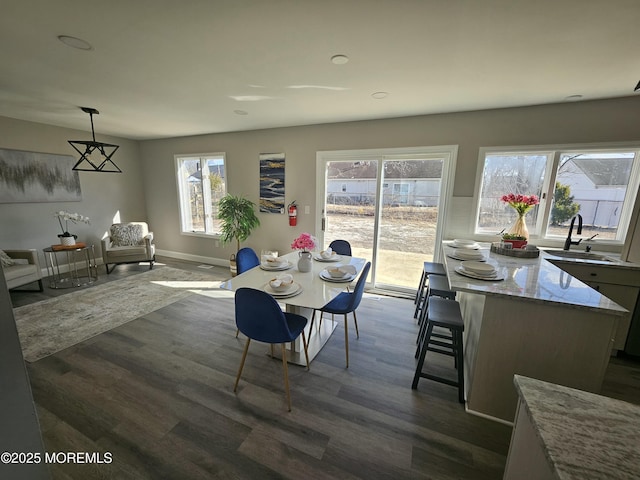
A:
[293,214]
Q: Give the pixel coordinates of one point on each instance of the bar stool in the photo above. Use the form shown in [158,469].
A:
[429,268]
[438,287]
[445,314]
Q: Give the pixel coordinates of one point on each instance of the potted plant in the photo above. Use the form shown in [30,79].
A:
[518,241]
[238,221]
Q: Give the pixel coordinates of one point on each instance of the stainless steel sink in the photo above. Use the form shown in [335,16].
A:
[578,255]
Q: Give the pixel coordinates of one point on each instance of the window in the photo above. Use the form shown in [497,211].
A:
[599,184]
[201,185]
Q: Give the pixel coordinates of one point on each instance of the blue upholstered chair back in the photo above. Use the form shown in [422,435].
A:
[356,296]
[260,318]
[341,247]
[246,259]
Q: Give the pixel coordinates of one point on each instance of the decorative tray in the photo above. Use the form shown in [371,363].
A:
[75,246]
[515,252]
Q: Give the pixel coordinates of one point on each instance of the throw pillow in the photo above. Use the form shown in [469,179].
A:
[6,260]
[126,235]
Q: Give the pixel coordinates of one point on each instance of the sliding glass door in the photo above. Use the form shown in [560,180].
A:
[388,205]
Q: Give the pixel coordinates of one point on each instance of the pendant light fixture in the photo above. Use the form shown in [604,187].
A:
[94,156]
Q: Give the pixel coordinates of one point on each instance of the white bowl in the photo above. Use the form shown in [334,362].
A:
[280,284]
[462,241]
[336,272]
[274,261]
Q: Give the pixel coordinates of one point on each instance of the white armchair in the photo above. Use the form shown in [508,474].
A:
[22,267]
[130,242]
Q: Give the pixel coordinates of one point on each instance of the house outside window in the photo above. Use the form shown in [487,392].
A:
[201,184]
[598,183]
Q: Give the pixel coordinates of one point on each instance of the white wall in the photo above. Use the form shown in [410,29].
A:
[104,195]
[584,122]
[147,188]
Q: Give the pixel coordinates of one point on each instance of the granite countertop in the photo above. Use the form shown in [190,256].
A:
[583,435]
[531,279]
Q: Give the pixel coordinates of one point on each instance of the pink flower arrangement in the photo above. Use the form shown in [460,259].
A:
[521,203]
[304,242]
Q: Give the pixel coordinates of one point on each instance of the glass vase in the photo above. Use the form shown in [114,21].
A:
[519,228]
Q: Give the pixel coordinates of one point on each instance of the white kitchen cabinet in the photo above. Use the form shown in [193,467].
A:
[622,285]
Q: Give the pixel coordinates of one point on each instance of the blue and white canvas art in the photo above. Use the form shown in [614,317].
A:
[272,182]
[29,177]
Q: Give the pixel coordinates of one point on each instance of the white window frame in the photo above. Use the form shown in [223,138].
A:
[554,152]
[184,196]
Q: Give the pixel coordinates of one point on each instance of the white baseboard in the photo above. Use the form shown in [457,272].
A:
[220,262]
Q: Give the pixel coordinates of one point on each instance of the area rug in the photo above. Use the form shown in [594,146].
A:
[52,325]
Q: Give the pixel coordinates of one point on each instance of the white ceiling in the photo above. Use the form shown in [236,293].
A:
[164,68]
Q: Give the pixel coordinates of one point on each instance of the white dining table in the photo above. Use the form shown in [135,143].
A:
[316,293]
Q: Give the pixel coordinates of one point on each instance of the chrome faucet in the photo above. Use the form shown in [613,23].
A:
[568,242]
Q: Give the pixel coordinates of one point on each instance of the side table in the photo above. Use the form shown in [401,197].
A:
[71,265]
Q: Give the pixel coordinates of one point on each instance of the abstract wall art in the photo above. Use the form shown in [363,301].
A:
[30,177]
[272,182]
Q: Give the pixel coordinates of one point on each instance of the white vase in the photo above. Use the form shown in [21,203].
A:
[304,262]
[67,240]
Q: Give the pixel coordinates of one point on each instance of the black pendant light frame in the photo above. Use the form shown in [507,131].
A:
[86,147]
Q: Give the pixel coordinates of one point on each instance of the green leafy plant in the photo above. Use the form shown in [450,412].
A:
[512,236]
[563,205]
[238,218]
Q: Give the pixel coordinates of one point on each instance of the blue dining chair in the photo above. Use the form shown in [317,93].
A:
[246,259]
[260,318]
[346,302]
[341,247]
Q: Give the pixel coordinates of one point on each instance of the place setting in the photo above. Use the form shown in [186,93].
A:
[479,271]
[282,286]
[327,255]
[339,273]
[466,254]
[274,263]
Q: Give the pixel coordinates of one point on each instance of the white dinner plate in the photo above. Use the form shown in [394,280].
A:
[292,291]
[474,246]
[479,268]
[333,258]
[493,278]
[458,255]
[284,266]
[346,278]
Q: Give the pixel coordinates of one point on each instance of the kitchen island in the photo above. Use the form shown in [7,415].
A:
[564,433]
[538,322]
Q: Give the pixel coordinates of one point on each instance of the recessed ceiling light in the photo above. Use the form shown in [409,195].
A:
[573,98]
[379,95]
[339,59]
[74,42]
[241,112]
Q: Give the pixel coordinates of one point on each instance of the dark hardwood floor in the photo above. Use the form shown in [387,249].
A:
[157,393]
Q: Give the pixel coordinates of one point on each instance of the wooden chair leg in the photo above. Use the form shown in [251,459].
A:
[244,357]
[237,332]
[346,338]
[286,375]
[271,350]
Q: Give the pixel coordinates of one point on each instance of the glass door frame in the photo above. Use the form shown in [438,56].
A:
[448,154]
